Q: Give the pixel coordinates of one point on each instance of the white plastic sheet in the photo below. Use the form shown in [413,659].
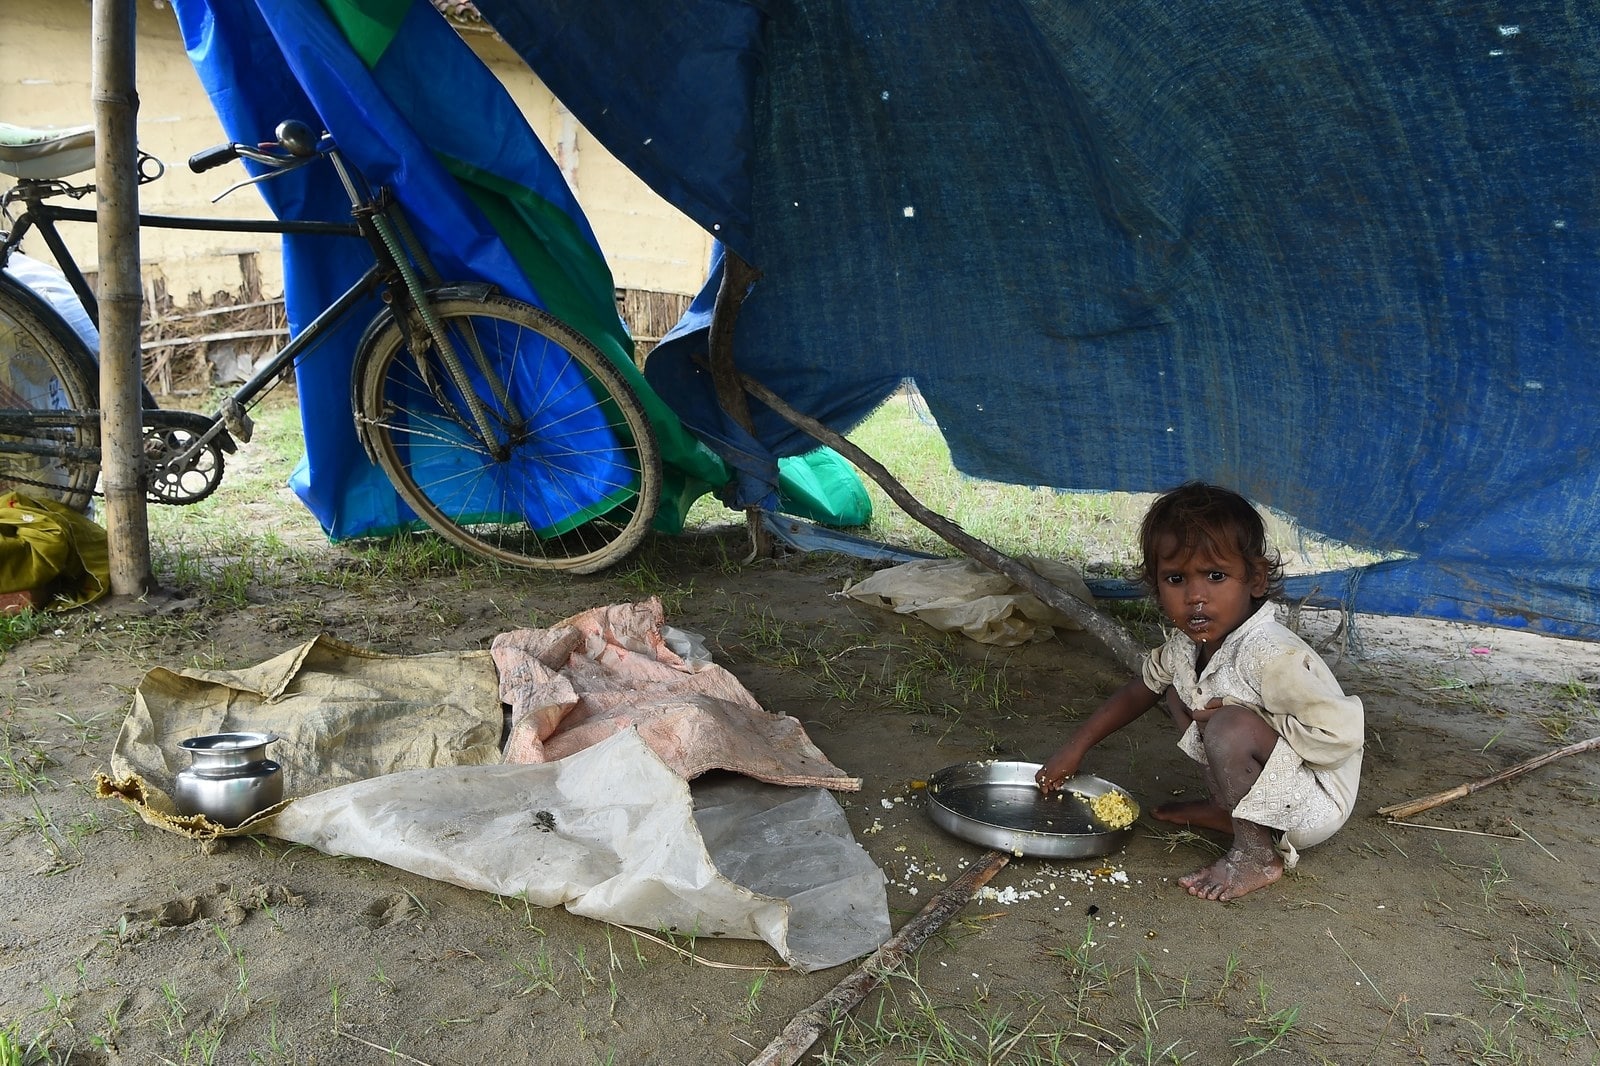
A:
[612,833]
[964,596]
[51,285]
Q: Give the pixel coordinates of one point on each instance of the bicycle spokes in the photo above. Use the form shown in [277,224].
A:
[553,467]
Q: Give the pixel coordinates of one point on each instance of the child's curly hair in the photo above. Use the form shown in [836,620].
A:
[1219,520]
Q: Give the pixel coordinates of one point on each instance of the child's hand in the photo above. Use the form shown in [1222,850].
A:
[1203,714]
[1060,766]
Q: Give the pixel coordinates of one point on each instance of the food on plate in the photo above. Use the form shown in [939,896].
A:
[1114,809]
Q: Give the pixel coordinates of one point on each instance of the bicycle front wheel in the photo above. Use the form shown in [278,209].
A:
[564,475]
[49,440]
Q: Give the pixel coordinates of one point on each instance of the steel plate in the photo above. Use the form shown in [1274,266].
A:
[999,805]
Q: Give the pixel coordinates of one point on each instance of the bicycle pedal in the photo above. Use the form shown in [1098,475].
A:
[237,421]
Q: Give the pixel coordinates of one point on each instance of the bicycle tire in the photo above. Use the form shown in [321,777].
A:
[580,478]
[44,366]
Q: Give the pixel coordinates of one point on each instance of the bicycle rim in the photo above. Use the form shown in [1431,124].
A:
[570,476]
[44,368]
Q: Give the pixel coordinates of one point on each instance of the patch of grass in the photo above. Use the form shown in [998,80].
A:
[1445,688]
[1567,705]
[276,1050]
[241,968]
[12,1049]
[144,640]
[1141,617]
[752,997]
[909,1026]
[1268,1028]
[86,730]
[56,843]
[641,577]
[1016,519]
[535,975]
[1546,988]
[410,557]
[22,626]
[55,1016]
[218,571]
[1230,973]
[23,760]
[1087,976]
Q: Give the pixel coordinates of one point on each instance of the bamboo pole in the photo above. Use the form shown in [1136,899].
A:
[1123,647]
[1427,803]
[803,1030]
[116,106]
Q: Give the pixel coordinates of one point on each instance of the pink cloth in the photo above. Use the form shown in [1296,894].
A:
[609,669]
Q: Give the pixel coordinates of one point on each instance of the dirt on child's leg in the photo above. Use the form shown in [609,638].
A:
[1238,744]
[1251,863]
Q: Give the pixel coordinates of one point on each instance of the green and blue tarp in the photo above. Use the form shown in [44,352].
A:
[417,112]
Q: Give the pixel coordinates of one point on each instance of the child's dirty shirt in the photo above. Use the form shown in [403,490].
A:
[1265,666]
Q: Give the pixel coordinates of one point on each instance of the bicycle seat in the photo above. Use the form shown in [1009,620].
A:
[45,153]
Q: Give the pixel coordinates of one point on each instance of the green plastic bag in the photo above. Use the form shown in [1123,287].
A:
[822,486]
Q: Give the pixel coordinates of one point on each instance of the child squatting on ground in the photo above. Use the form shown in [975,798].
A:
[1278,740]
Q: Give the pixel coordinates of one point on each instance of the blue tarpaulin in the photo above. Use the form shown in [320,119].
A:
[1339,255]
[418,113]
[485,198]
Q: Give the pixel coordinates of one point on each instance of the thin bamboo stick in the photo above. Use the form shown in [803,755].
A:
[207,338]
[801,1032]
[1426,803]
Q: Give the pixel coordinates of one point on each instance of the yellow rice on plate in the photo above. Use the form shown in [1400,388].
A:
[1114,809]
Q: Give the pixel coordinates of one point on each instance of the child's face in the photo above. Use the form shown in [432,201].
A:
[1204,596]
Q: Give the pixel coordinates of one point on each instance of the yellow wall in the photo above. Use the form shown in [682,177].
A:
[45,81]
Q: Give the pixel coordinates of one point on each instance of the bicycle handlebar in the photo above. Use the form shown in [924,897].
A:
[214,156]
[294,138]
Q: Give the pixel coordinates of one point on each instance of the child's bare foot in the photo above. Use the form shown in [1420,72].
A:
[1206,813]
[1234,875]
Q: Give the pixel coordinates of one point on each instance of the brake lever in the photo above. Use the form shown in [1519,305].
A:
[279,168]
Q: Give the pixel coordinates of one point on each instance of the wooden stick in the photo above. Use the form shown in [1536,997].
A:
[1427,803]
[1452,829]
[1127,651]
[207,338]
[386,1050]
[787,1047]
[737,277]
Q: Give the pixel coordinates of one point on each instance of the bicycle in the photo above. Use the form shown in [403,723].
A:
[504,429]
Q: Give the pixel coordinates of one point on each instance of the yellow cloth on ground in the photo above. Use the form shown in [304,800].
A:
[45,546]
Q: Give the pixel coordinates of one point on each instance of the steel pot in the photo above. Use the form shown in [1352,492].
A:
[230,777]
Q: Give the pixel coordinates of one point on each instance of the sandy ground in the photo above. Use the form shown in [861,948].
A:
[1468,935]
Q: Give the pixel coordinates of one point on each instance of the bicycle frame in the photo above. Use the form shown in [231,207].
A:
[395,251]
[38,213]
[485,412]
[41,215]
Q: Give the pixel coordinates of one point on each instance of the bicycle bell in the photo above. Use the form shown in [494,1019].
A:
[296,138]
